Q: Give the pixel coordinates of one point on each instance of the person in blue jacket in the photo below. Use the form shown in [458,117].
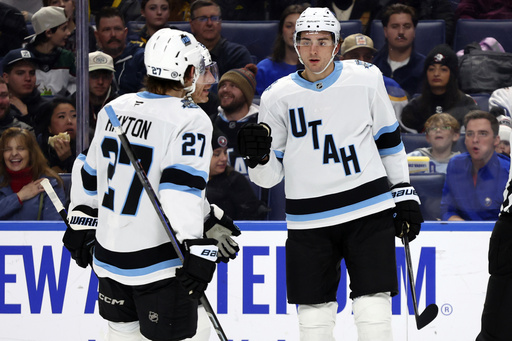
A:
[475,180]
[22,168]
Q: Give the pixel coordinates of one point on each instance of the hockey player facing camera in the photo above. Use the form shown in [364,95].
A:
[114,226]
[330,131]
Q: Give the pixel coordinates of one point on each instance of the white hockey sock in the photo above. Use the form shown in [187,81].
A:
[124,331]
[203,326]
[316,321]
[372,315]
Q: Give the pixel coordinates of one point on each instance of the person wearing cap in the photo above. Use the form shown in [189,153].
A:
[360,46]
[101,89]
[440,92]
[56,66]
[128,57]
[329,131]
[229,189]
[236,92]
[19,72]
[475,180]
[397,58]
[69,9]
[7,120]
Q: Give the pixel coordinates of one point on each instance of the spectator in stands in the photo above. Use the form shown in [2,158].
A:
[7,120]
[101,90]
[504,146]
[500,102]
[13,29]
[440,92]
[236,92]
[442,132]
[128,58]
[284,59]
[69,9]
[58,118]
[128,9]
[22,168]
[426,10]
[475,180]
[359,46]
[19,67]
[56,66]
[229,189]
[484,9]
[156,13]
[206,24]
[397,59]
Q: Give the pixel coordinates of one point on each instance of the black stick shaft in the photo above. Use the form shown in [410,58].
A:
[141,174]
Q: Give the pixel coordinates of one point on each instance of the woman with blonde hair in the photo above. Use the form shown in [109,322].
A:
[22,168]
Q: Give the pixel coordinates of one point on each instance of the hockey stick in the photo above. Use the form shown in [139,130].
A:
[430,312]
[55,200]
[139,170]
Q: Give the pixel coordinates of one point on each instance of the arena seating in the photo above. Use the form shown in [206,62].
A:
[482,99]
[66,177]
[413,141]
[474,30]
[429,33]
[429,187]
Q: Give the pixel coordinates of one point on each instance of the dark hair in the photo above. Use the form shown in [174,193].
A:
[108,12]
[41,38]
[451,96]
[160,86]
[476,114]
[38,163]
[398,9]
[278,53]
[201,3]
[44,119]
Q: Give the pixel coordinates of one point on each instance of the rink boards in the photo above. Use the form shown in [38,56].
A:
[44,295]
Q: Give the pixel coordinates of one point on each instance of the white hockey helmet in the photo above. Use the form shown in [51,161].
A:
[211,74]
[317,19]
[169,53]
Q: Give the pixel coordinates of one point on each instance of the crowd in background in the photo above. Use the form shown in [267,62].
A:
[38,50]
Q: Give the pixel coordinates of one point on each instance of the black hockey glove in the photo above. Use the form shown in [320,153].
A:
[198,266]
[80,243]
[407,214]
[220,227]
[254,142]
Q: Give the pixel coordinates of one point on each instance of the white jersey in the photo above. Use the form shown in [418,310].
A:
[337,144]
[172,139]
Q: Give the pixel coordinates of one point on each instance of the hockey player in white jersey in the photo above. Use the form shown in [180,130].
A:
[137,267]
[330,131]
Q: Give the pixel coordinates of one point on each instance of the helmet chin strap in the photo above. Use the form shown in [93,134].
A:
[326,66]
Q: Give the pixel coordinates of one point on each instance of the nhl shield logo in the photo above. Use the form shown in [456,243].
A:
[153,317]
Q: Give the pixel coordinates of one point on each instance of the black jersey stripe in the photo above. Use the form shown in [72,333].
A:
[89,181]
[136,259]
[180,177]
[389,140]
[338,200]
